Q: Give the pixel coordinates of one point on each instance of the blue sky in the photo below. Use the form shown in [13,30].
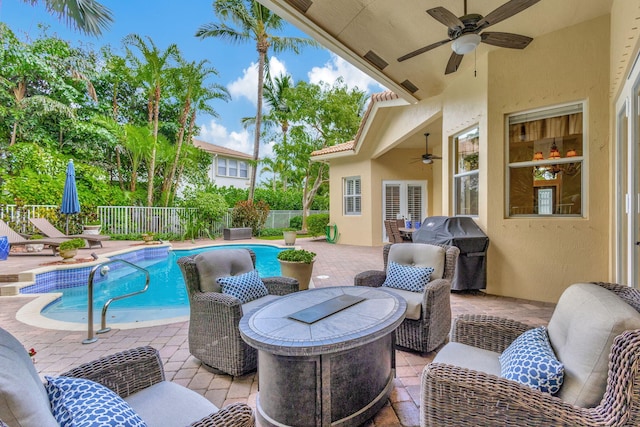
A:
[169,22]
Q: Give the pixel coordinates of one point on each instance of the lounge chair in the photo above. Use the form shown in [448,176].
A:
[50,230]
[16,239]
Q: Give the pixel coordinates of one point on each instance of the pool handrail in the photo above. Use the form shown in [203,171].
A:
[103,325]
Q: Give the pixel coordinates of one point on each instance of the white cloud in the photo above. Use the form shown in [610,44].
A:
[337,67]
[242,141]
[246,86]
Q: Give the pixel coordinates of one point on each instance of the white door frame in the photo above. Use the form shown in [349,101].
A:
[404,184]
[627,187]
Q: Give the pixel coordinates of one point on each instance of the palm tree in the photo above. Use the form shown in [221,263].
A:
[193,95]
[153,73]
[254,23]
[86,16]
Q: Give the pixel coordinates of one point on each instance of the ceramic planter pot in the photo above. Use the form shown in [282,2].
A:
[289,237]
[298,270]
[91,229]
[68,254]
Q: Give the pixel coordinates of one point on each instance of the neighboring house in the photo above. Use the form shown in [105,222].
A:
[540,146]
[228,168]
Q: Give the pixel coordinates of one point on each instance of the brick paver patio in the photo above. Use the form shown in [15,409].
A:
[335,266]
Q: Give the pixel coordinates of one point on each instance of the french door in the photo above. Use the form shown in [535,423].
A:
[627,212]
[404,199]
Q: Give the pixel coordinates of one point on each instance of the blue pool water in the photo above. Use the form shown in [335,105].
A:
[166,297]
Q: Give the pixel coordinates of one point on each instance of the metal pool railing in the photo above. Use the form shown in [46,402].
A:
[103,323]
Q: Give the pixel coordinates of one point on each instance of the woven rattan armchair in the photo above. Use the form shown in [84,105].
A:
[136,375]
[432,328]
[456,396]
[214,337]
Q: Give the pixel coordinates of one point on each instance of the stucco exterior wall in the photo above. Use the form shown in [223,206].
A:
[537,258]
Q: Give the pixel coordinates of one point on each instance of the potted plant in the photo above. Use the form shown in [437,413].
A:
[297,263]
[35,247]
[148,237]
[69,248]
[289,235]
[91,227]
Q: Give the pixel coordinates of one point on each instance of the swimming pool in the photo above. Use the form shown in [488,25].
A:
[166,297]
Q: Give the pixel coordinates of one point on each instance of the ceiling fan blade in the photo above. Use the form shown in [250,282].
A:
[422,50]
[454,63]
[512,41]
[503,12]
[445,17]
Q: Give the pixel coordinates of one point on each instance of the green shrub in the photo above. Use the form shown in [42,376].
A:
[316,224]
[248,214]
[36,237]
[72,244]
[297,255]
[296,222]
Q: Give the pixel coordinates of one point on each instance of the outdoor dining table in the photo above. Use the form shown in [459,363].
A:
[325,356]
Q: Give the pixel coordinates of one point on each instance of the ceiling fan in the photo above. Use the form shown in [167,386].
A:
[427,158]
[465,34]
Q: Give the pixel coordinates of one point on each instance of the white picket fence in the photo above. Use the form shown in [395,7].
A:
[138,219]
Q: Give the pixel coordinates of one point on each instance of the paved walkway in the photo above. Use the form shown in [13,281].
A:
[335,266]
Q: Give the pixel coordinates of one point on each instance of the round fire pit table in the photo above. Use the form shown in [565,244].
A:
[325,356]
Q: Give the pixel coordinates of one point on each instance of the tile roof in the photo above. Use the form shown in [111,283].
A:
[217,149]
[346,146]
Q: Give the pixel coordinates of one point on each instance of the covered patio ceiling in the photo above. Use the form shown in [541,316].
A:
[365,32]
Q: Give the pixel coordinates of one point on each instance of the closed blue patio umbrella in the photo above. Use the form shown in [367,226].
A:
[70,202]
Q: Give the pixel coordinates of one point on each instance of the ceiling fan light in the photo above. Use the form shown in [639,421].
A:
[466,43]
[427,161]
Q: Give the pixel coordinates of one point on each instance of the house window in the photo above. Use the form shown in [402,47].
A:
[466,170]
[242,166]
[222,167]
[545,162]
[233,167]
[352,196]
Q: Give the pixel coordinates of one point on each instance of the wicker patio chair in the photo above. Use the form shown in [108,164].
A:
[136,375]
[452,395]
[430,326]
[214,337]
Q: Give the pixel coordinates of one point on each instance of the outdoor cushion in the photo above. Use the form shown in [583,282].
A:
[420,255]
[582,328]
[529,359]
[216,263]
[469,357]
[18,378]
[169,404]
[82,402]
[414,302]
[407,277]
[246,287]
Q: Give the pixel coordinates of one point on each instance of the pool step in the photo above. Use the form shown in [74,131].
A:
[12,288]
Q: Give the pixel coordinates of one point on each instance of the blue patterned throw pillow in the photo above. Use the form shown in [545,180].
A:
[77,402]
[530,360]
[246,287]
[407,277]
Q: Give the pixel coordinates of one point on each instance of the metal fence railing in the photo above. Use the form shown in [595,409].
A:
[138,219]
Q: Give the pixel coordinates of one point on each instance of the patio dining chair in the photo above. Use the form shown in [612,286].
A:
[428,318]
[16,239]
[393,233]
[49,230]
